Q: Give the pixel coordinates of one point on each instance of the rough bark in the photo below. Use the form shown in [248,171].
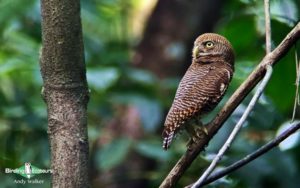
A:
[171,29]
[65,91]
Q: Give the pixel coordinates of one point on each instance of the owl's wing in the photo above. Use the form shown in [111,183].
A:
[198,92]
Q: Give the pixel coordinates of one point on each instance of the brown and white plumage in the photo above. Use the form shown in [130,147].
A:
[203,85]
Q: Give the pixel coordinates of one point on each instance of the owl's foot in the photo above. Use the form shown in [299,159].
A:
[204,130]
[199,128]
[196,134]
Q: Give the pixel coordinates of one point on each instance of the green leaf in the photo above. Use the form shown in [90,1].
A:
[292,141]
[142,76]
[247,40]
[102,78]
[284,11]
[281,88]
[113,154]
[152,150]
[150,110]
[14,112]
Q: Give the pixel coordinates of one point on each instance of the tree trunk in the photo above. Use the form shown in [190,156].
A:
[65,91]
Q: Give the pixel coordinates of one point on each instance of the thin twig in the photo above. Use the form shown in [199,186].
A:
[297,84]
[262,150]
[212,128]
[267,26]
[237,128]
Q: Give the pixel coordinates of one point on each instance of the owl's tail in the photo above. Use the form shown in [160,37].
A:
[168,136]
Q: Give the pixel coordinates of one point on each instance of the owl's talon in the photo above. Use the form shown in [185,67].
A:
[199,131]
[196,134]
[200,127]
[192,141]
[204,129]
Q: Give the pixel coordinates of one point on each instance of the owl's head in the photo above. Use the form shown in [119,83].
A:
[211,47]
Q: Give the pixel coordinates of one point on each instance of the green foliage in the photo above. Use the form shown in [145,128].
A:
[152,149]
[110,40]
[112,154]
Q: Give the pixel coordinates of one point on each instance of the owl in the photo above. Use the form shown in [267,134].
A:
[203,85]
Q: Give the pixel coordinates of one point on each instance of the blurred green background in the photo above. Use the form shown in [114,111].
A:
[136,52]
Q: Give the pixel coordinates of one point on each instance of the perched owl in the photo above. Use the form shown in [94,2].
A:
[203,85]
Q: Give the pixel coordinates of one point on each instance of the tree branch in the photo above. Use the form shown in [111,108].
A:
[268,26]
[262,150]
[296,102]
[236,129]
[212,128]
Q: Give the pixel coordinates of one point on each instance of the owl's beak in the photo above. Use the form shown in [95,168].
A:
[196,52]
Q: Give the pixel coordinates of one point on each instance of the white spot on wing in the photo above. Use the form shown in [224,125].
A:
[228,74]
[222,88]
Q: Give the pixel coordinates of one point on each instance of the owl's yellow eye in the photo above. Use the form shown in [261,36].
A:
[209,44]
